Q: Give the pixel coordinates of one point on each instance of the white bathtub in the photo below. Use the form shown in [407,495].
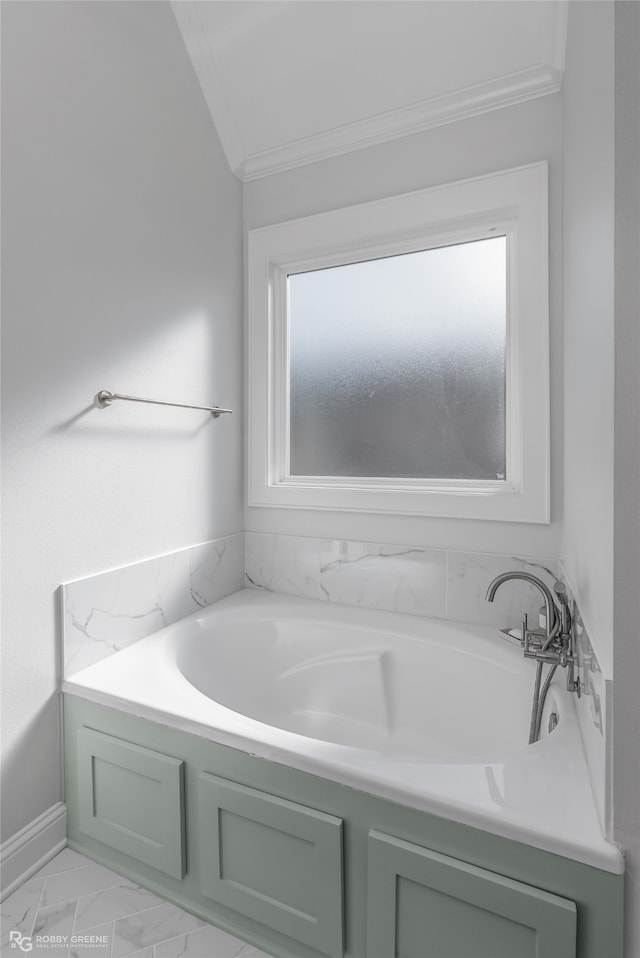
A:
[427,713]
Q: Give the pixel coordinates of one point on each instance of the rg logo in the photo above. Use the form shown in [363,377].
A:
[23,942]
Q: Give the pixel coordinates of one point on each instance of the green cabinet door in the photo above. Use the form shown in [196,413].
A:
[422,904]
[132,799]
[273,860]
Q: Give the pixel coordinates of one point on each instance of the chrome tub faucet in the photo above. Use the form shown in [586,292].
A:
[553,645]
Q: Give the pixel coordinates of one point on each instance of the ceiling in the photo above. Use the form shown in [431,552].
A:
[289,82]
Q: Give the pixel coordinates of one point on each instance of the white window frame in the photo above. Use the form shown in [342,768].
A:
[513,203]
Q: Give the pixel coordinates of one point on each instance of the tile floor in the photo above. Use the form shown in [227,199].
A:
[75,900]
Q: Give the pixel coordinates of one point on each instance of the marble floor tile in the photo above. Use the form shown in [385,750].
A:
[74,908]
[113,903]
[55,922]
[207,942]
[64,861]
[149,927]
[89,945]
[18,911]
[78,881]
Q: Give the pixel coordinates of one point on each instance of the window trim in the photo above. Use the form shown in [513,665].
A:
[512,203]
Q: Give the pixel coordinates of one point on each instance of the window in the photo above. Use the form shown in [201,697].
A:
[397,365]
[398,354]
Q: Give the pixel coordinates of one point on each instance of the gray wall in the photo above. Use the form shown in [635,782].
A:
[626,528]
[499,140]
[588,316]
[601,540]
[122,259]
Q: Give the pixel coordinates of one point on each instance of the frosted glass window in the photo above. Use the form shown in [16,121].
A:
[397,366]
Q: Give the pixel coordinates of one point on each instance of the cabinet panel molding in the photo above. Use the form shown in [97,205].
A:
[132,799]
[422,904]
[273,860]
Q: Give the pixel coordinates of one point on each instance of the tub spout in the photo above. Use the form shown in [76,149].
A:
[553,621]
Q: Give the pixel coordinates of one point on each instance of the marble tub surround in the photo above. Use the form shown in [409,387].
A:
[469,575]
[71,897]
[287,564]
[216,570]
[105,613]
[391,578]
[432,582]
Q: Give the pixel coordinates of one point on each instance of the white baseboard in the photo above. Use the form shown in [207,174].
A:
[32,847]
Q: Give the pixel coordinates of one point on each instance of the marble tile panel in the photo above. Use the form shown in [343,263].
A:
[64,861]
[108,612]
[76,882]
[149,927]
[393,578]
[285,564]
[216,570]
[56,921]
[207,942]
[469,575]
[113,903]
[18,911]
[84,947]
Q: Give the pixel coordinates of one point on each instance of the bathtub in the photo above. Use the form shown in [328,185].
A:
[426,713]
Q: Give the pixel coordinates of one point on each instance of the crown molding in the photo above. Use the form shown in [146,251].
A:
[437,111]
[504,91]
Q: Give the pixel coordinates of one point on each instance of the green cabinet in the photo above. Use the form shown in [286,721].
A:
[273,860]
[422,904]
[302,867]
[132,799]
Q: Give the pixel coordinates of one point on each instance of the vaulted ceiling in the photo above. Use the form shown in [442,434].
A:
[292,81]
